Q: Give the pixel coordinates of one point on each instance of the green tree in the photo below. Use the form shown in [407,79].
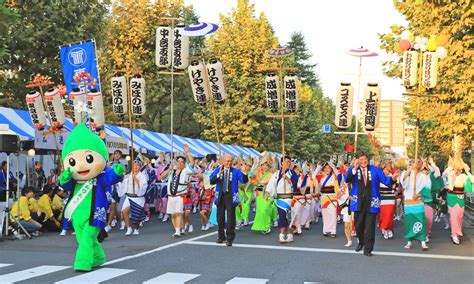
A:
[306,72]
[33,41]
[7,18]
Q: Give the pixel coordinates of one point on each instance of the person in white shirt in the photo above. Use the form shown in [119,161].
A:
[133,187]
[178,180]
[280,187]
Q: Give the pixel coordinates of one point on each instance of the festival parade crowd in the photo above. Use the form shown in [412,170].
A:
[267,194]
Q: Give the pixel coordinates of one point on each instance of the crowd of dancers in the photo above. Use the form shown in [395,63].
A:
[292,196]
[286,194]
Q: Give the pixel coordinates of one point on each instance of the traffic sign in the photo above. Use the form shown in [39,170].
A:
[326,128]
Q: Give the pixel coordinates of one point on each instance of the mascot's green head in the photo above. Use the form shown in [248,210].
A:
[84,153]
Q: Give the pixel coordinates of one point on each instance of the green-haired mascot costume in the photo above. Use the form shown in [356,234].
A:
[87,177]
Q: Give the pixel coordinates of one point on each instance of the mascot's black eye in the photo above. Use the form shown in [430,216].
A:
[72,162]
[89,159]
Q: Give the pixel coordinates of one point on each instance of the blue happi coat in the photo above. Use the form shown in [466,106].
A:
[376,176]
[236,177]
[99,205]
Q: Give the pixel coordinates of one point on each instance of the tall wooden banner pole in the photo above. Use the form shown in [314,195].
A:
[207,84]
[282,110]
[357,106]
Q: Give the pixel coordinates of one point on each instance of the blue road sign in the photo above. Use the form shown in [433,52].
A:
[326,128]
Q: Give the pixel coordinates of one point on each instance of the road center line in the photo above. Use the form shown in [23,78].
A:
[386,253]
[158,249]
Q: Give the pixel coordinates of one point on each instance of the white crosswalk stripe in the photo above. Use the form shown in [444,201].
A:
[170,277]
[242,280]
[96,276]
[105,274]
[30,273]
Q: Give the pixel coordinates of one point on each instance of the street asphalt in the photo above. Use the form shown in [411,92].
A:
[155,256]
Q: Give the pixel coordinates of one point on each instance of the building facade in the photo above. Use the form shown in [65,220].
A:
[392,130]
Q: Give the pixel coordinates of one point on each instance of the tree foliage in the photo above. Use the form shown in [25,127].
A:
[129,44]
[242,41]
[306,72]
[125,35]
[34,39]
[451,112]
[7,18]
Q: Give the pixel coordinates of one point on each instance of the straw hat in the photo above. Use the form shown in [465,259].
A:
[249,161]
[458,163]
[265,158]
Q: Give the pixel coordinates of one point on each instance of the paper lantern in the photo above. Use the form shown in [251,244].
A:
[198,85]
[291,92]
[371,103]
[79,102]
[410,64]
[36,109]
[119,94]
[180,49]
[344,101]
[272,91]
[429,72]
[163,47]
[137,89]
[55,107]
[96,107]
[215,72]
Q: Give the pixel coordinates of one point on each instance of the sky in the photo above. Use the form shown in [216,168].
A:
[330,29]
